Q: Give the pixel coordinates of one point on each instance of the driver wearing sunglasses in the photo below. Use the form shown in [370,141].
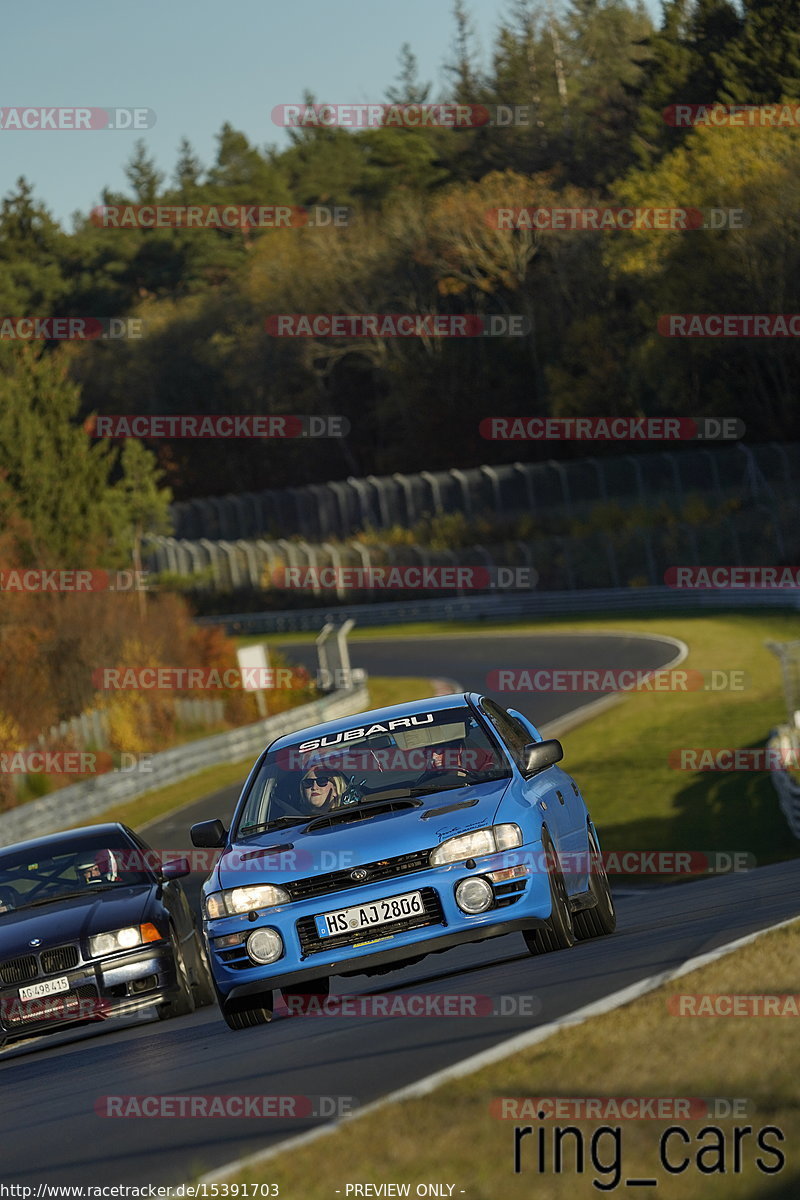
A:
[322,790]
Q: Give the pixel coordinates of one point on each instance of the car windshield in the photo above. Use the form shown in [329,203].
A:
[404,758]
[50,874]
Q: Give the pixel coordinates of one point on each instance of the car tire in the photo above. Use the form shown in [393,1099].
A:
[182,1002]
[203,986]
[559,933]
[247,1015]
[602,919]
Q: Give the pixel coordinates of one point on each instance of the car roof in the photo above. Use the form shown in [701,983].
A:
[67,839]
[375,716]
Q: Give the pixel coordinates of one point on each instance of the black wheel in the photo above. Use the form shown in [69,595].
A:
[602,919]
[182,1002]
[202,985]
[248,1013]
[559,933]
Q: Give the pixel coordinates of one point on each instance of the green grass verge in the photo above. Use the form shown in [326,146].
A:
[452,1135]
[622,757]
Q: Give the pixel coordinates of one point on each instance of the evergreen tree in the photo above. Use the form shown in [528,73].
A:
[763,63]
[665,82]
[713,26]
[408,89]
[143,175]
[59,479]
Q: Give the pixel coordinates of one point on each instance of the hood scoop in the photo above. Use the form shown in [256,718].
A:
[262,852]
[448,808]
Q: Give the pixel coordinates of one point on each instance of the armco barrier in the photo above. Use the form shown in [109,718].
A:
[89,800]
[507,607]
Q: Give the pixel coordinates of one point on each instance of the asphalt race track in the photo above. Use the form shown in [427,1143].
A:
[52,1132]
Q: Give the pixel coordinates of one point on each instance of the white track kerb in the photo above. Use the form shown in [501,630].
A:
[476,1062]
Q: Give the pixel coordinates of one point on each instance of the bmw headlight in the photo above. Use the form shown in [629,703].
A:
[244,900]
[122,939]
[476,844]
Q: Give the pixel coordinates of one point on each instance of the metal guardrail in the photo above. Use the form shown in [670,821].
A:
[340,508]
[506,607]
[89,800]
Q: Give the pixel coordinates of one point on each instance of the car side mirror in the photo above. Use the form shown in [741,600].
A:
[209,834]
[538,755]
[175,868]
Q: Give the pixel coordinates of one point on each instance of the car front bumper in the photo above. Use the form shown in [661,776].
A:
[117,986]
[521,903]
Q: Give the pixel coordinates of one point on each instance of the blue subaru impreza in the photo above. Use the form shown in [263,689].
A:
[361,845]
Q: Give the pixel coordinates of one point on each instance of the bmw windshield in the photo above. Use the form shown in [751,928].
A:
[31,878]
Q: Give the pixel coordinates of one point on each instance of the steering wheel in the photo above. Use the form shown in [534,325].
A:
[440,772]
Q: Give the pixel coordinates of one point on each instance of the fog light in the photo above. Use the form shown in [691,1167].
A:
[264,945]
[474,895]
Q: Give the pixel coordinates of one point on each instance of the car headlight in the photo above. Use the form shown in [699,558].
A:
[245,899]
[122,939]
[476,844]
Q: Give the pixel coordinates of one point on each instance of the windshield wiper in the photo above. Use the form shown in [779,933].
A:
[371,808]
[278,823]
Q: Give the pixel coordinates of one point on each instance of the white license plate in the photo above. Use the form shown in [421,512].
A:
[50,987]
[365,916]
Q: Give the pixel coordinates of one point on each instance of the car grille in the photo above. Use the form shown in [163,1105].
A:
[312,943]
[45,1009]
[62,958]
[338,881]
[21,970]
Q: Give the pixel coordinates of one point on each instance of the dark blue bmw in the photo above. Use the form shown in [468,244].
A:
[91,927]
